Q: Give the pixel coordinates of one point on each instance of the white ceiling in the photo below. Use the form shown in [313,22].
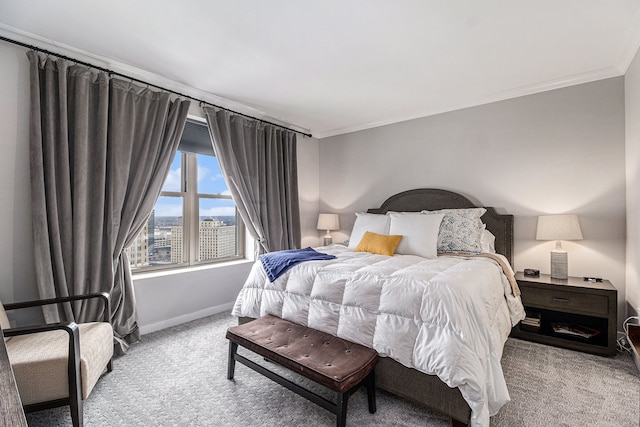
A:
[334,66]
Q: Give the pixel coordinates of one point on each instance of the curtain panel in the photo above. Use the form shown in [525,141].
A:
[100,149]
[259,163]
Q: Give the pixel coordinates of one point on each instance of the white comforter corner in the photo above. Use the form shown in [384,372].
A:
[448,317]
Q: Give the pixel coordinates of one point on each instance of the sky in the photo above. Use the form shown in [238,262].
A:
[210,181]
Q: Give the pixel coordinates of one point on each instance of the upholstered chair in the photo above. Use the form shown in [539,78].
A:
[58,364]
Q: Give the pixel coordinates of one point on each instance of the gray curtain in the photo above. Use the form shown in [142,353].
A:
[259,163]
[100,150]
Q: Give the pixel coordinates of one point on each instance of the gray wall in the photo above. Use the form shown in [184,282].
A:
[168,299]
[553,152]
[632,122]
[17,277]
[309,189]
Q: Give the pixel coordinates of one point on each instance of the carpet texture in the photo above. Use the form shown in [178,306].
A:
[177,377]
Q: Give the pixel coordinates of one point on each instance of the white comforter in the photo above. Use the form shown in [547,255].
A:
[448,316]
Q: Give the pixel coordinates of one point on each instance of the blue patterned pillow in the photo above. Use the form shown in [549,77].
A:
[460,230]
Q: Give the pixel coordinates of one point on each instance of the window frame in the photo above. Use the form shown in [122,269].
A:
[191,220]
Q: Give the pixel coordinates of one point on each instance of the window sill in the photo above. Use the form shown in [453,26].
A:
[173,271]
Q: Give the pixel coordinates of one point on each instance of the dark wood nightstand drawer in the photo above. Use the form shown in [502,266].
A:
[555,306]
[559,300]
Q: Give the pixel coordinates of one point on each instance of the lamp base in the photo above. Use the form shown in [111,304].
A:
[559,264]
[328,241]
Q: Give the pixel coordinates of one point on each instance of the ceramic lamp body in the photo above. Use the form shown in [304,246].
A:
[559,227]
[559,263]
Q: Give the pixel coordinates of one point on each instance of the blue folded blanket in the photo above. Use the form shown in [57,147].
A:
[277,263]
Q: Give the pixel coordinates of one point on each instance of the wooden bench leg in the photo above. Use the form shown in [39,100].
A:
[456,423]
[341,407]
[231,363]
[370,383]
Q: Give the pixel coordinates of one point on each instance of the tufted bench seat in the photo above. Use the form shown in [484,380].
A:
[340,365]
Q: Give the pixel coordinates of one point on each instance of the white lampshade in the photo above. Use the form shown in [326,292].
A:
[559,227]
[328,221]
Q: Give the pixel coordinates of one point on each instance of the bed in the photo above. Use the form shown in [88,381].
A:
[396,375]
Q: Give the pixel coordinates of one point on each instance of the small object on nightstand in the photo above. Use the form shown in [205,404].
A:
[531,272]
[572,330]
[531,322]
[592,279]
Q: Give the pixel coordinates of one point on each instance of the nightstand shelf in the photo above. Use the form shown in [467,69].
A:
[557,309]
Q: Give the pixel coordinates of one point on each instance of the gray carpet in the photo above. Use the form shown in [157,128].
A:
[177,377]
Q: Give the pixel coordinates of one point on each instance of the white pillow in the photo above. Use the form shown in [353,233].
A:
[419,233]
[375,223]
[487,242]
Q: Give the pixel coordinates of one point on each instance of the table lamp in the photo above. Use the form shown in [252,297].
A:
[559,227]
[328,222]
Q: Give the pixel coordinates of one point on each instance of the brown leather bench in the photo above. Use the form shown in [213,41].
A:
[338,364]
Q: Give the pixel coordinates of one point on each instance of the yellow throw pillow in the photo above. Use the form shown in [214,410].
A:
[378,243]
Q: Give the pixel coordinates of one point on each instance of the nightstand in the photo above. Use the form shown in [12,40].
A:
[573,313]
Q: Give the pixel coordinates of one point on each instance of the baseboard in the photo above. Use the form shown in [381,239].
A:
[210,311]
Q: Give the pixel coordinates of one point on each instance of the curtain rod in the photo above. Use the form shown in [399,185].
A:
[133,79]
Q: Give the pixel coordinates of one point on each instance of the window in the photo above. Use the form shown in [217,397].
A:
[195,220]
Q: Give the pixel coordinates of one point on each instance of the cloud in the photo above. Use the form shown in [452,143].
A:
[172,183]
[203,172]
[219,211]
[168,209]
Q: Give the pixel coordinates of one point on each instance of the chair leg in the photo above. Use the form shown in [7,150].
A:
[75,398]
[76,408]
[75,378]
[231,364]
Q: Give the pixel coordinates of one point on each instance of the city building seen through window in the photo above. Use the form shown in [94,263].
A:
[195,219]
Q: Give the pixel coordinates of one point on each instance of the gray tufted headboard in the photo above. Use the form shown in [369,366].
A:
[433,199]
